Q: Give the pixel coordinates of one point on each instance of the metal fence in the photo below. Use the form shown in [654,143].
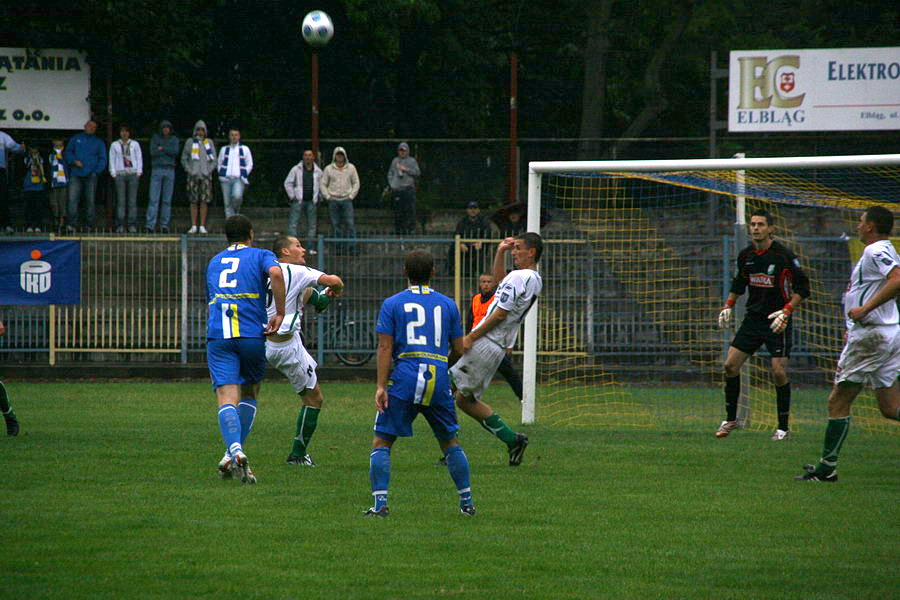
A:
[144,299]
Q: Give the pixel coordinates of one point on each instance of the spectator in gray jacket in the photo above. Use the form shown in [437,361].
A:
[302,187]
[402,176]
[198,159]
[340,185]
[163,153]
[126,164]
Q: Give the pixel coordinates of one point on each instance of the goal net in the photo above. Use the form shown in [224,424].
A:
[637,266]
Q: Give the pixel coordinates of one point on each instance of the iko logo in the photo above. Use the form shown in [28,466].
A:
[774,79]
[34,275]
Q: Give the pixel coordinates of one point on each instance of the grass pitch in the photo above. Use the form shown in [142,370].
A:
[110,491]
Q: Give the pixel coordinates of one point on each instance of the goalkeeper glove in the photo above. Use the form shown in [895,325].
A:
[727,314]
[319,300]
[781,318]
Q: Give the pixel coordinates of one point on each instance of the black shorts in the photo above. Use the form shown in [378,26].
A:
[755,332]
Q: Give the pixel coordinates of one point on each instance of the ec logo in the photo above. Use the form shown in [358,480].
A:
[774,80]
[34,275]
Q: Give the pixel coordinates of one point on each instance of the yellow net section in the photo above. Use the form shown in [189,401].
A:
[632,296]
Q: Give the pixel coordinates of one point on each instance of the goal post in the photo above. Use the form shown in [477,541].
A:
[620,207]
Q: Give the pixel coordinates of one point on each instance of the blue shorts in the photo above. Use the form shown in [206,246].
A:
[397,418]
[236,361]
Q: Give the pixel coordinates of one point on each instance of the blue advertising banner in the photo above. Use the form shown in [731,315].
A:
[40,272]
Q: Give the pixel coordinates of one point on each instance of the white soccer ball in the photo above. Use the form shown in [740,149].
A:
[317,28]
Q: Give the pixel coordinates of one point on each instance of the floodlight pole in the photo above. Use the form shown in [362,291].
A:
[513,175]
[315,103]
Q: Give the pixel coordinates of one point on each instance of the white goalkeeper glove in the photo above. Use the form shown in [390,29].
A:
[725,317]
[780,318]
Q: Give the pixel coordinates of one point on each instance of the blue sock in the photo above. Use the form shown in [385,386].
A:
[458,465]
[380,475]
[247,413]
[230,426]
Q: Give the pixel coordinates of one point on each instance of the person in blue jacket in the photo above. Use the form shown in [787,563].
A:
[86,156]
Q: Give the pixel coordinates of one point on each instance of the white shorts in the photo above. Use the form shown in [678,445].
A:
[292,359]
[871,355]
[472,374]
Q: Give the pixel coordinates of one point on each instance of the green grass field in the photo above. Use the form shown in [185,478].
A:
[110,491]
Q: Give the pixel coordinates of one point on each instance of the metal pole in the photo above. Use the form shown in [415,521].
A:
[320,321]
[513,174]
[315,104]
[184,299]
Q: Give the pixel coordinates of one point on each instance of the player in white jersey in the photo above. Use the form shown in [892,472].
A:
[871,353]
[284,348]
[485,346]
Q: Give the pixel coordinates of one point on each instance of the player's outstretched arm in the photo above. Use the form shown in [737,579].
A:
[335,283]
[888,291]
[383,369]
[490,322]
[276,280]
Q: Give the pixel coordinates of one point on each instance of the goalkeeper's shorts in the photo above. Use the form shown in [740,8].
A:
[473,373]
[755,331]
[870,356]
[292,359]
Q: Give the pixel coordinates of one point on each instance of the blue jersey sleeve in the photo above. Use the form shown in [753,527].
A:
[385,319]
[267,260]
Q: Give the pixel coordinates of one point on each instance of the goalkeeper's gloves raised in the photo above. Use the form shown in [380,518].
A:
[319,300]
[727,314]
[780,318]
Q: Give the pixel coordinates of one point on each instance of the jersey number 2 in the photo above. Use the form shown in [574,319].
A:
[224,281]
[420,340]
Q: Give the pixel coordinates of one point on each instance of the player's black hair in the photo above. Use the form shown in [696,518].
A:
[418,266]
[882,218]
[761,212]
[533,240]
[281,242]
[237,229]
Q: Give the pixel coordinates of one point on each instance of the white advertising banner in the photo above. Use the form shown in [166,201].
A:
[46,89]
[844,89]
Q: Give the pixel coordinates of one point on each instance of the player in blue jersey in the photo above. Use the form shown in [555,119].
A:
[416,330]
[236,280]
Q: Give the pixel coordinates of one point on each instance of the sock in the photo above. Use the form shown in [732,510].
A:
[247,414]
[835,434]
[783,401]
[732,392]
[495,425]
[230,426]
[306,425]
[5,408]
[458,466]
[380,475]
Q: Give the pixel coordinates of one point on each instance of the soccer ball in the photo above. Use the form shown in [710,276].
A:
[317,28]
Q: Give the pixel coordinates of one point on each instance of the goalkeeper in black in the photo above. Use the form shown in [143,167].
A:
[777,286]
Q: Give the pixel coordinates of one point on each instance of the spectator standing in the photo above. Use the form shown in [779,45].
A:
[474,226]
[340,185]
[59,184]
[235,166]
[6,143]
[34,190]
[402,177]
[163,151]
[198,158]
[302,187]
[86,155]
[126,165]
[510,219]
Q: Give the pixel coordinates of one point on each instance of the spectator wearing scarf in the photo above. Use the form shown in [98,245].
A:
[198,159]
[59,183]
[34,190]
[235,166]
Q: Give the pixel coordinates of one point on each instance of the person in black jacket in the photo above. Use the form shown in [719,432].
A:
[777,286]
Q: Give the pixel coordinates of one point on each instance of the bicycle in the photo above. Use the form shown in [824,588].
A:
[350,337]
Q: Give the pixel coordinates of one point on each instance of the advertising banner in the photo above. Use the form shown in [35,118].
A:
[40,273]
[43,89]
[845,89]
